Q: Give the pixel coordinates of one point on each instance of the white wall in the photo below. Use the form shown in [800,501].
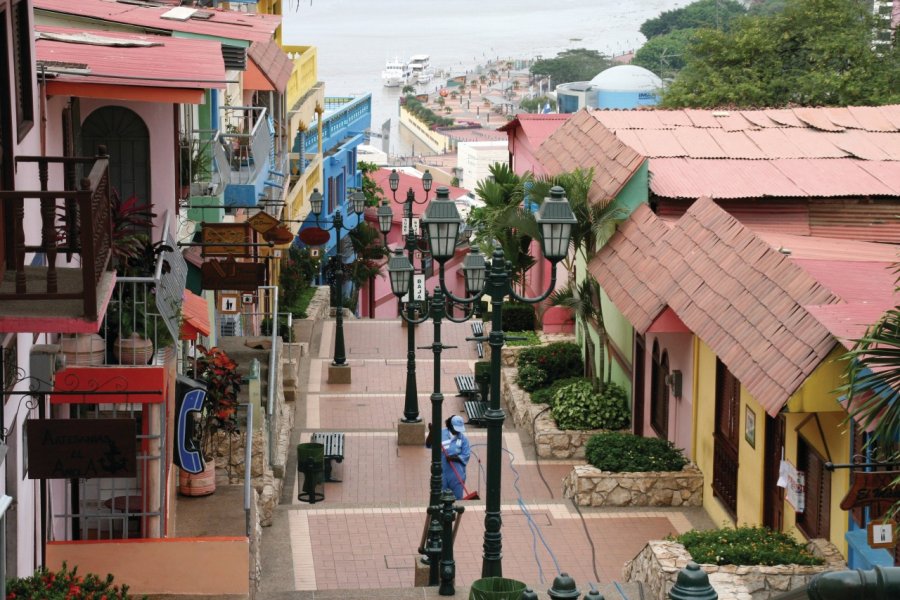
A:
[474,159]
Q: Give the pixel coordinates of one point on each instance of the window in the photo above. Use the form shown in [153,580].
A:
[815,520]
[22,67]
[659,393]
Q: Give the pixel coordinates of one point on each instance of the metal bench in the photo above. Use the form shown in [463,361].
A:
[478,331]
[475,412]
[465,385]
[334,450]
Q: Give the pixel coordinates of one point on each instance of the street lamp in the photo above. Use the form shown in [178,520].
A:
[442,224]
[411,401]
[438,550]
[358,204]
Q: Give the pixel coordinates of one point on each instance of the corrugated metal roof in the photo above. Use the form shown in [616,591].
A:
[127,65]
[848,322]
[536,127]
[776,216]
[228,24]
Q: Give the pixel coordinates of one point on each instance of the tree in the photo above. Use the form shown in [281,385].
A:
[712,14]
[374,193]
[579,64]
[814,53]
[366,242]
[664,54]
[537,104]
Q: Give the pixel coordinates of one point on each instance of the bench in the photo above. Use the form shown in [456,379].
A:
[475,412]
[478,331]
[465,385]
[334,450]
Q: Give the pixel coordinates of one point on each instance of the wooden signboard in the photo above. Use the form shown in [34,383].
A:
[228,304]
[882,534]
[232,275]
[872,488]
[262,222]
[218,236]
[81,448]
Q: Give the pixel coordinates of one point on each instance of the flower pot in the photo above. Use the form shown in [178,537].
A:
[198,484]
[133,350]
[84,349]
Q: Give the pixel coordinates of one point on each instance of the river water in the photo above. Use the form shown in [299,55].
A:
[355,37]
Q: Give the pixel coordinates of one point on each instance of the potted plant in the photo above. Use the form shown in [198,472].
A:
[139,331]
[219,373]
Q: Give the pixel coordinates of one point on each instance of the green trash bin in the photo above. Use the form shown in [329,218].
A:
[496,588]
[483,379]
[311,464]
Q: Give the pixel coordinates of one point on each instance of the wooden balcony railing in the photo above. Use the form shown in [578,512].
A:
[73,221]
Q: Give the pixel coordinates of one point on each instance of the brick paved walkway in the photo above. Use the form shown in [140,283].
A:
[365,533]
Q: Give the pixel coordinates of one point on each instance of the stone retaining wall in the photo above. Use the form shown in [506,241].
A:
[592,487]
[658,564]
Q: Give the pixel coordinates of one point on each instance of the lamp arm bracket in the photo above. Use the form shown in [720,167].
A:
[485,339]
[513,338]
[419,321]
[469,313]
[431,347]
[543,296]
[456,299]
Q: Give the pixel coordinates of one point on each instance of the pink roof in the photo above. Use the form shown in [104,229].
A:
[251,27]
[127,65]
[536,127]
[406,182]
[848,322]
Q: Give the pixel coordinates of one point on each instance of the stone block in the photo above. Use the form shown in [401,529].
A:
[339,374]
[410,434]
[421,574]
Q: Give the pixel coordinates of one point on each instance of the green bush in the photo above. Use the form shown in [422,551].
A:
[559,359]
[65,585]
[518,317]
[531,339]
[578,406]
[545,395]
[284,332]
[746,546]
[531,377]
[629,453]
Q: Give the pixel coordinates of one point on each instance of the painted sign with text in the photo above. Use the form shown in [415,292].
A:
[80,448]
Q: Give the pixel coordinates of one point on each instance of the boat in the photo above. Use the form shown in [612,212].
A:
[396,73]
[420,68]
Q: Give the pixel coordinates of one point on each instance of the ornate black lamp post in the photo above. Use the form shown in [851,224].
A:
[399,269]
[411,401]
[442,224]
[358,202]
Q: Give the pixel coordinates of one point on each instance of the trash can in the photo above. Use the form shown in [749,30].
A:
[311,464]
[496,588]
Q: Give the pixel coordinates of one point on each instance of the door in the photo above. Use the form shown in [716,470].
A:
[815,520]
[773,501]
[659,393]
[726,438]
[639,360]
[127,142]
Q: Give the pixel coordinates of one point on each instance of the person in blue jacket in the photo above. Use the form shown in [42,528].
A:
[455,453]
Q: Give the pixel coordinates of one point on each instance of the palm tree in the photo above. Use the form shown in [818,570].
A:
[407,89]
[366,242]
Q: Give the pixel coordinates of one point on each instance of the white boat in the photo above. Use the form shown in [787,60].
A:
[420,70]
[396,73]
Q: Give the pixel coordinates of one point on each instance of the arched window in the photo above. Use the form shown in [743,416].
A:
[659,392]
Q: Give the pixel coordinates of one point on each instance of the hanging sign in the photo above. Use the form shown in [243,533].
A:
[794,484]
[314,236]
[872,487]
[406,225]
[229,304]
[882,533]
[80,448]
[217,236]
[418,289]
[262,222]
[232,275]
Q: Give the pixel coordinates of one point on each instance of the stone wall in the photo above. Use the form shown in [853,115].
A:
[318,307]
[592,487]
[658,564]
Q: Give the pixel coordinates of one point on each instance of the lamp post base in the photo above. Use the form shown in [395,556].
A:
[410,434]
[339,374]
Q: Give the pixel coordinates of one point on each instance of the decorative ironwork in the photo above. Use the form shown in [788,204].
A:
[171,275]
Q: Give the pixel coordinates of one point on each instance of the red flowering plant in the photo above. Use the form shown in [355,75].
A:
[223,384]
[64,584]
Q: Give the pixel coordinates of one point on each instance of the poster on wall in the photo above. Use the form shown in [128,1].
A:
[794,484]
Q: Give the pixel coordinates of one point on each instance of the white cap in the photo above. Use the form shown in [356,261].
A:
[458,424]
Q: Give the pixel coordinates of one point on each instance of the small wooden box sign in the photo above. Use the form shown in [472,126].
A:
[882,534]
[80,448]
[218,236]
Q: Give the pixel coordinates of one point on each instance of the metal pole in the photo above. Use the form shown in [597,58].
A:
[248,457]
[340,355]
[411,399]
[433,545]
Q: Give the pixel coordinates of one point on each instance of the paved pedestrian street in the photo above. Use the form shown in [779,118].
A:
[365,533]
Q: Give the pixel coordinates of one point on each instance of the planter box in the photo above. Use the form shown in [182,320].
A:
[590,486]
[658,564]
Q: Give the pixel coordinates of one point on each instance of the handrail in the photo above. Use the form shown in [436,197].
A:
[248,461]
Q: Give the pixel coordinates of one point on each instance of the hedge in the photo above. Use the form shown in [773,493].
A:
[629,453]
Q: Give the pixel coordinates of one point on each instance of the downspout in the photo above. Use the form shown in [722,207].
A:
[695,393]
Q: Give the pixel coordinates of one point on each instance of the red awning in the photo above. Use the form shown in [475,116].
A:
[195,316]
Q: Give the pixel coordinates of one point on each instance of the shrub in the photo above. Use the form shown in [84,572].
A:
[531,377]
[65,584]
[746,546]
[518,317]
[578,406]
[545,395]
[559,359]
[629,453]
[531,339]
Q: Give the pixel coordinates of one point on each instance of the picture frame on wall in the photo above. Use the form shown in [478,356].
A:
[750,427]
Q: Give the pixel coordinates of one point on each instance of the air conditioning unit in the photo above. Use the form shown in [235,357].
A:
[45,360]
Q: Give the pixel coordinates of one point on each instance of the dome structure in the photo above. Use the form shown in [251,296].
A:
[627,78]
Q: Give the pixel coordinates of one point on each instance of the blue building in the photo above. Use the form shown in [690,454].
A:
[622,86]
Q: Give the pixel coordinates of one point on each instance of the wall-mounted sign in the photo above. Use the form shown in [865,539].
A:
[882,533]
[80,448]
[248,298]
[872,488]
[794,484]
[262,222]
[232,275]
[229,303]
[418,289]
[218,236]
[189,397]
[406,225]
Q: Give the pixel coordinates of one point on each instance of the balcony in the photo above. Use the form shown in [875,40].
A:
[344,119]
[245,158]
[201,180]
[304,90]
[37,294]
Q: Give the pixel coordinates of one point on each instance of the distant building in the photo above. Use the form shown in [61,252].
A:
[622,86]
[475,158]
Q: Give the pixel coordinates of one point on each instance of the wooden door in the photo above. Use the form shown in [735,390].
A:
[726,437]
[815,520]
[640,365]
[773,496]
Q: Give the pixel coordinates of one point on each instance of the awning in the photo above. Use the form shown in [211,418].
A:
[195,316]
[269,67]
